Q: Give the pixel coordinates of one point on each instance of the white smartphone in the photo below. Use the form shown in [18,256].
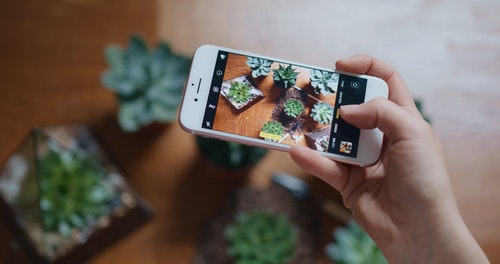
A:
[258,100]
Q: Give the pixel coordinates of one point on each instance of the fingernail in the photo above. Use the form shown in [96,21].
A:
[348,108]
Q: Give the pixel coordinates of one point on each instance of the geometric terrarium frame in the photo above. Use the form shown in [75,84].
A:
[64,199]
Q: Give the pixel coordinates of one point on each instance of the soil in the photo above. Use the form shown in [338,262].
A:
[279,111]
[273,199]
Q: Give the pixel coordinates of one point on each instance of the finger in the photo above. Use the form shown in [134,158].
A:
[364,64]
[331,172]
[395,122]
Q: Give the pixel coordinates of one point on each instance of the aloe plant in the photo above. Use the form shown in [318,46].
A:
[239,92]
[293,107]
[323,82]
[285,77]
[322,113]
[148,84]
[71,190]
[259,66]
[352,245]
[261,238]
[273,127]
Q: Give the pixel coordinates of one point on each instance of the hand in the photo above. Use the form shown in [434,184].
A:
[405,201]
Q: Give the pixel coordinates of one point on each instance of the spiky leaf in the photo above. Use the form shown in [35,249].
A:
[285,77]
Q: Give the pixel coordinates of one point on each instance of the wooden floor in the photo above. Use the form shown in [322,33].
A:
[51,58]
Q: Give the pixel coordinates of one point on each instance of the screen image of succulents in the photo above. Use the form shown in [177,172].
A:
[275,101]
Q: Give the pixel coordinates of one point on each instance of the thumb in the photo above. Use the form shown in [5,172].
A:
[383,114]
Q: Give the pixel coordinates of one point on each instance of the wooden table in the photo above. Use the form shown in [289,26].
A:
[52,57]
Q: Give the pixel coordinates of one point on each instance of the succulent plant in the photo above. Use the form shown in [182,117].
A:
[285,77]
[239,92]
[259,66]
[72,192]
[148,85]
[261,238]
[294,107]
[323,82]
[229,154]
[354,246]
[273,127]
[322,113]
[419,105]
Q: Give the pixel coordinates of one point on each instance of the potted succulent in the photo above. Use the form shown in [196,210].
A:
[148,85]
[259,66]
[323,82]
[322,113]
[285,76]
[261,225]
[274,130]
[353,245]
[261,238]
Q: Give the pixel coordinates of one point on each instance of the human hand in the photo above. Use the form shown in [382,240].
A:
[405,201]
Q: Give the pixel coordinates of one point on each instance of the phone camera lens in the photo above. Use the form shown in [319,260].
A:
[196,99]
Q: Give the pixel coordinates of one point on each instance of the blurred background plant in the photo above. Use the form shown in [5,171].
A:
[229,155]
[352,245]
[261,238]
[72,191]
[148,85]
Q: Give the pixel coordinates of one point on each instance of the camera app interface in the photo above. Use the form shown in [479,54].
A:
[283,103]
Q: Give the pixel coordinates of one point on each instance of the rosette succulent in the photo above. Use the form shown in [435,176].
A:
[261,238]
[273,127]
[323,82]
[239,92]
[148,84]
[322,113]
[72,192]
[294,107]
[285,77]
[353,246]
[259,66]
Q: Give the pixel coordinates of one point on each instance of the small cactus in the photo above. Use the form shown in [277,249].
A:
[285,77]
[353,246]
[294,107]
[260,67]
[273,127]
[261,238]
[239,92]
[322,113]
[323,82]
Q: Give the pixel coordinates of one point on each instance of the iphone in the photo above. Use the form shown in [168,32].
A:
[263,101]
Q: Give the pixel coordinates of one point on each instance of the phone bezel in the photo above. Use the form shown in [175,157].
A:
[198,87]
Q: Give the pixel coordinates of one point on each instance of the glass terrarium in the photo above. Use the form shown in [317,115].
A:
[63,197]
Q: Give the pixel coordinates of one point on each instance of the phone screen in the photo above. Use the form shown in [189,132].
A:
[283,103]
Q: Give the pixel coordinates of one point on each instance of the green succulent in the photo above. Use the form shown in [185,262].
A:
[72,193]
[285,77]
[259,66]
[294,107]
[239,92]
[273,127]
[261,238]
[323,82]
[148,85]
[419,105]
[229,154]
[354,246]
[322,113]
